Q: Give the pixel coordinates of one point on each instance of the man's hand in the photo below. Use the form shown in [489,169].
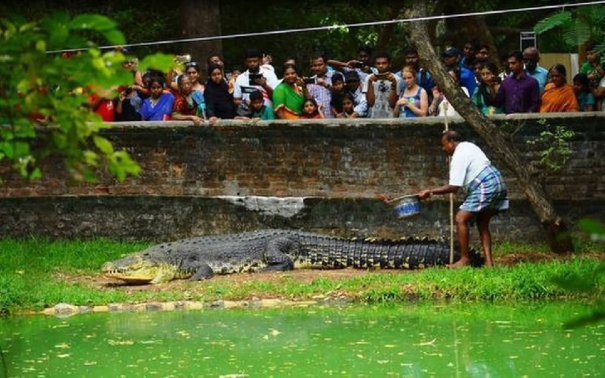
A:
[426,193]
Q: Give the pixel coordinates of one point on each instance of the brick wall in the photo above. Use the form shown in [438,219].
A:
[188,172]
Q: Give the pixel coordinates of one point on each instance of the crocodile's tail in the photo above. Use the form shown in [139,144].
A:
[410,253]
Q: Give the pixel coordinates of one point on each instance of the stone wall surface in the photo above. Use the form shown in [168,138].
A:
[316,175]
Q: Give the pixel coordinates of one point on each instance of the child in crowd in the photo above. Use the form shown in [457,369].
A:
[158,106]
[257,108]
[311,110]
[581,87]
[444,108]
[348,105]
[337,95]
[487,89]
[232,77]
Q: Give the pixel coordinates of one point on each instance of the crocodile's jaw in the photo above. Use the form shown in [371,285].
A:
[134,269]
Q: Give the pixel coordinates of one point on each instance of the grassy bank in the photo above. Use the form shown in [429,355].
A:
[35,274]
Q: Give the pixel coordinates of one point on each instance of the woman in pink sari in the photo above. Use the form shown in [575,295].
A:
[558,95]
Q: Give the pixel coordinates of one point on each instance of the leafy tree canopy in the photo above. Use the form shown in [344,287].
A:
[44,94]
[575,27]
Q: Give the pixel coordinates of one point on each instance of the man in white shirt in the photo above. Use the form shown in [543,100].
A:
[486,193]
[253,79]
[382,89]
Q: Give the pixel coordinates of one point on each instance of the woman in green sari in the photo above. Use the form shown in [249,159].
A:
[290,94]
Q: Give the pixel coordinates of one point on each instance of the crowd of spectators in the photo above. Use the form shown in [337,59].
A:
[365,86]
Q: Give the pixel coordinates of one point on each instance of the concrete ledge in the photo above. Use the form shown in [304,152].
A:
[63,310]
[164,218]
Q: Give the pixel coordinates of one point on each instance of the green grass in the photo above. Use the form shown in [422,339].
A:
[37,273]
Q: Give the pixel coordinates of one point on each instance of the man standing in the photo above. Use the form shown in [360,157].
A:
[361,65]
[518,93]
[466,77]
[486,192]
[531,57]
[353,86]
[382,89]
[255,78]
[320,88]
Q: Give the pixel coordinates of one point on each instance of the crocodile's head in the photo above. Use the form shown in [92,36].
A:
[141,268]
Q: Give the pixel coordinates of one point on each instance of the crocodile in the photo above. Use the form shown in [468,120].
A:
[274,250]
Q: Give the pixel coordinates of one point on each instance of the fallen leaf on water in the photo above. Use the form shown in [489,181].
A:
[432,342]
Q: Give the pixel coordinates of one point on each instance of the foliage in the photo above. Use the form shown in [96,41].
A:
[337,42]
[587,282]
[577,26]
[554,143]
[43,107]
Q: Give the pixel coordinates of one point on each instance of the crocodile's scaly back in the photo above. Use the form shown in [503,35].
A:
[411,253]
[264,250]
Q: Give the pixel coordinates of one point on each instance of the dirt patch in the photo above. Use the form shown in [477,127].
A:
[299,275]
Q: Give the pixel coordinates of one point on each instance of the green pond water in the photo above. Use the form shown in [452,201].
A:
[349,341]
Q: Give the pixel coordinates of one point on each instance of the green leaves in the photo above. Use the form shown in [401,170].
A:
[121,165]
[589,282]
[160,62]
[554,143]
[577,26]
[594,229]
[92,22]
[556,20]
[51,90]
[103,144]
[101,24]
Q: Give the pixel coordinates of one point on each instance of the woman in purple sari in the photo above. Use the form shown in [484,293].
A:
[158,106]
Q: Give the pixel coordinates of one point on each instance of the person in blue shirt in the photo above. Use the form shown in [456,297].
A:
[451,58]
[581,87]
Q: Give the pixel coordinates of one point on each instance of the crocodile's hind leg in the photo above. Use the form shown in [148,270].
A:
[203,273]
[277,256]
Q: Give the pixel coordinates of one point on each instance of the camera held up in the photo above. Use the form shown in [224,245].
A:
[182,59]
[253,77]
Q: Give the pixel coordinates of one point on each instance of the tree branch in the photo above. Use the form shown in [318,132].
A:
[492,135]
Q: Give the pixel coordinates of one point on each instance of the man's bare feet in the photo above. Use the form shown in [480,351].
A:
[460,264]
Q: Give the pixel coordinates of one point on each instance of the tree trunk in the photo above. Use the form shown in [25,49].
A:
[558,236]
[201,18]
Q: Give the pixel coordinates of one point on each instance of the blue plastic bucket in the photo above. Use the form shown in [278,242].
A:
[407,206]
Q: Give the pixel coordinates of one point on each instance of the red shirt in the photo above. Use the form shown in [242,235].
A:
[105,108]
